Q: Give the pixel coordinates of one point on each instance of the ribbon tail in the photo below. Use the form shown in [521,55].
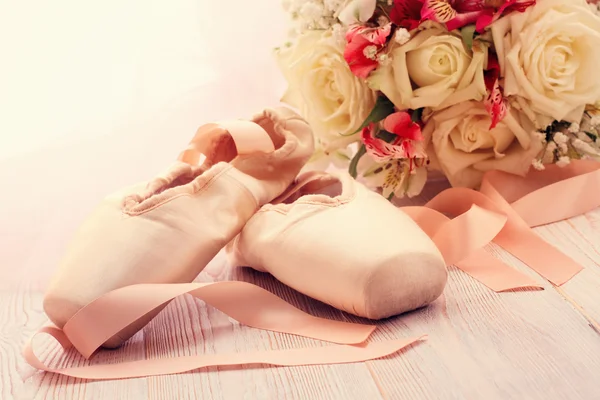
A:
[521,241]
[462,239]
[539,255]
[495,274]
[336,354]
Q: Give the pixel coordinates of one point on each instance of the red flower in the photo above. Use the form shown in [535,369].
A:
[495,103]
[359,38]
[401,124]
[405,133]
[407,13]
[458,13]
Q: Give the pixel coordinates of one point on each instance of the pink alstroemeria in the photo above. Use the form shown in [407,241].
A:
[458,13]
[360,40]
[405,131]
[407,13]
[495,103]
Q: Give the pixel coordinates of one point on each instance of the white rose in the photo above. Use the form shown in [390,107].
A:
[464,148]
[322,160]
[444,72]
[549,55]
[322,87]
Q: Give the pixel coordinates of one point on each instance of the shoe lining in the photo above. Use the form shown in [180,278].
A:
[327,186]
[218,146]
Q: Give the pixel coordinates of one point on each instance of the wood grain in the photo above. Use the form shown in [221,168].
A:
[209,331]
[494,346]
[522,344]
[579,237]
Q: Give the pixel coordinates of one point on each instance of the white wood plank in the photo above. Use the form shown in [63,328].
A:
[579,237]
[206,330]
[481,344]
[523,344]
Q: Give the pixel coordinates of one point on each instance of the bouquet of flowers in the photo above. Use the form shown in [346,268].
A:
[397,88]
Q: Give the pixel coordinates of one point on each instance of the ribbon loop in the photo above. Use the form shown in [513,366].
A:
[539,198]
[503,211]
[248,137]
[518,238]
[461,240]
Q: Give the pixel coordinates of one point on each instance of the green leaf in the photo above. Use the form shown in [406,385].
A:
[386,136]
[383,108]
[354,163]
[591,135]
[468,33]
[417,115]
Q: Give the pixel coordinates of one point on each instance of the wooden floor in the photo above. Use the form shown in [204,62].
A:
[482,345]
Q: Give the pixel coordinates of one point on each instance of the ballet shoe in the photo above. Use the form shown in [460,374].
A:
[168,229]
[334,240]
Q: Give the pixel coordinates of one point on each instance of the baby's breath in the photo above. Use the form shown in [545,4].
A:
[313,14]
[564,142]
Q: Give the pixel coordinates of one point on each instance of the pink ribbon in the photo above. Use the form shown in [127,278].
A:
[542,197]
[245,302]
[503,211]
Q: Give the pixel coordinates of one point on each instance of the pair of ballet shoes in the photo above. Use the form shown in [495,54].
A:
[237,186]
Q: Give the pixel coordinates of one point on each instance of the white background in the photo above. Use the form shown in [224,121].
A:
[98,95]
[72,69]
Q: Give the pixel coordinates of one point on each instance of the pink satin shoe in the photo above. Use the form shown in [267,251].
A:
[168,230]
[332,239]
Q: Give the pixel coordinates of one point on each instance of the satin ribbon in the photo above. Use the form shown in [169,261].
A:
[245,302]
[248,137]
[503,211]
[540,198]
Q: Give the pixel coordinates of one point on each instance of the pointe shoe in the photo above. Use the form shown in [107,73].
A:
[334,240]
[168,230]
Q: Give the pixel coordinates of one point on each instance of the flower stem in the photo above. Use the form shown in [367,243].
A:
[352,168]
